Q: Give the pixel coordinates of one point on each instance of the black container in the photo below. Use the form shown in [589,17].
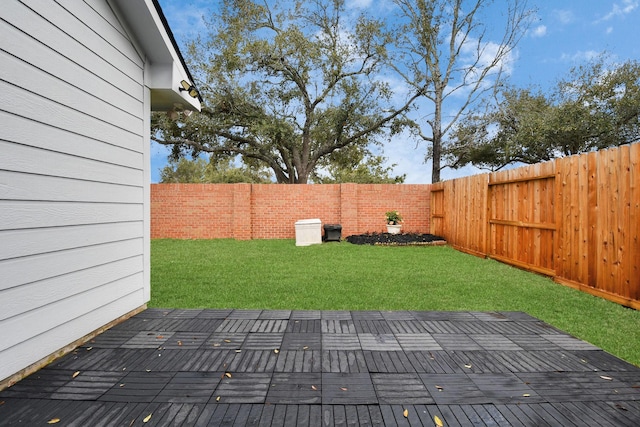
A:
[332,232]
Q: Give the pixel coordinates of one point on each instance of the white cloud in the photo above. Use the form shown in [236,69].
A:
[360,4]
[564,16]
[539,31]
[619,10]
[580,56]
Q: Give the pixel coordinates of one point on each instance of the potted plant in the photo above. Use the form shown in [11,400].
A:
[393,222]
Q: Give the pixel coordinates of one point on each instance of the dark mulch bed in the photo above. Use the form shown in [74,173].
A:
[402,239]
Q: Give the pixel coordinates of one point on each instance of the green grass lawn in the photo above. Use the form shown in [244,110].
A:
[275,274]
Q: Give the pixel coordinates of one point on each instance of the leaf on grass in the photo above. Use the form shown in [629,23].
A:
[227,374]
[75,374]
[604,377]
[146,419]
[406,413]
[53,421]
[438,421]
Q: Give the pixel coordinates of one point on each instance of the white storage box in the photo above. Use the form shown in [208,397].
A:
[308,232]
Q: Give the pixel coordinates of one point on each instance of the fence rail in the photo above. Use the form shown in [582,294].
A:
[576,219]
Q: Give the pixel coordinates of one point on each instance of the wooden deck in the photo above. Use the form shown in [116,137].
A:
[317,368]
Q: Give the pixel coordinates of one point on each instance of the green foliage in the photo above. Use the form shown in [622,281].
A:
[393,217]
[352,164]
[597,106]
[286,85]
[276,274]
[200,171]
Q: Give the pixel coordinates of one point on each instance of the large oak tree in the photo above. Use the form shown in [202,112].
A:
[287,85]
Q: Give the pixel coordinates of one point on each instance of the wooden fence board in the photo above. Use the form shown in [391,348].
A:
[575,218]
[592,208]
[634,221]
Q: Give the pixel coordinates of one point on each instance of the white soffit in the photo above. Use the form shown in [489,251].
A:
[167,68]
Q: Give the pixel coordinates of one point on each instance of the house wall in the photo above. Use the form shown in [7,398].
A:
[269,211]
[73,169]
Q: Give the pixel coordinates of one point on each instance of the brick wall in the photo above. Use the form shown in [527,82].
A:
[269,211]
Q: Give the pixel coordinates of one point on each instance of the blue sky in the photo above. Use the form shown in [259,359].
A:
[564,34]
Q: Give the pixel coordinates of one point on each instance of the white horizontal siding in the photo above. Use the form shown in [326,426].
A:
[38,26]
[49,341]
[25,186]
[73,175]
[39,294]
[26,131]
[33,214]
[21,158]
[97,17]
[27,104]
[32,51]
[23,243]
[72,95]
[20,271]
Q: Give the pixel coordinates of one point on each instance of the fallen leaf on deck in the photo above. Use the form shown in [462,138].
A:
[604,377]
[53,421]
[467,366]
[276,351]
[439,388]
[344,388]
[238,351]
[438,421]
[227,340]
[159,337]
[179,343]
[147,418]
[619,406]
[305,347]
[526,395]
[218,399]
[313,387]
[75,374]
[227,374]
[89,348]
[406,413]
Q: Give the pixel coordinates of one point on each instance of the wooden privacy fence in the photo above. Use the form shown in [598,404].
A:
[576,219]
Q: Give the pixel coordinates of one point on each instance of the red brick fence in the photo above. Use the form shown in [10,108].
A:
[269,211]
